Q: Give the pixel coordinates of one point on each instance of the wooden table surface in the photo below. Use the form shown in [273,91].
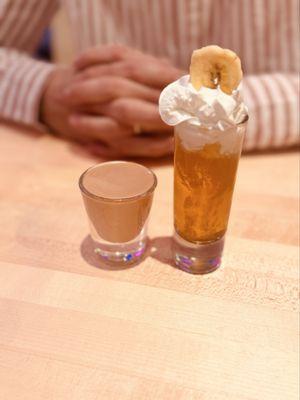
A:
[71,329]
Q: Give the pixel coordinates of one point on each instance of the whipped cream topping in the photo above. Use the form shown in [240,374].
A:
[209,108]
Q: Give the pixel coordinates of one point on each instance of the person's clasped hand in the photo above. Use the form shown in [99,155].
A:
[109,100]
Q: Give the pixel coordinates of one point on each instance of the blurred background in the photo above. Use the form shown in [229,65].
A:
[145,45]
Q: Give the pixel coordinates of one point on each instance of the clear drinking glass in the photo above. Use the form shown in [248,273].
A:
[118,196]
[205,166]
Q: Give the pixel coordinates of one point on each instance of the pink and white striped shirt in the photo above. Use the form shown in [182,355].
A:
[265,34]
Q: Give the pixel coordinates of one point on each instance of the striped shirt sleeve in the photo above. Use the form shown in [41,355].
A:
[22,79]
[273,102]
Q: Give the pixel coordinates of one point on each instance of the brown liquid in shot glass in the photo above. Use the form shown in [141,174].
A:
[118,197]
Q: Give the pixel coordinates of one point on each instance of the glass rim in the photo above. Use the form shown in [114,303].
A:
[121,199]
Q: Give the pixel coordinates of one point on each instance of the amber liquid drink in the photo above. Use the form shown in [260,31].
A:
[205,166]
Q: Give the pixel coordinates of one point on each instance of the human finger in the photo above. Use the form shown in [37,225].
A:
[102,54]
[104,89]
[132,111]
[97,128]
[147,71]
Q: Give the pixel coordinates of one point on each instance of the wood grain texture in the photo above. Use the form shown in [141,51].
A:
[70,328]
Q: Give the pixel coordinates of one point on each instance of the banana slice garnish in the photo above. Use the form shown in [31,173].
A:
[212,66]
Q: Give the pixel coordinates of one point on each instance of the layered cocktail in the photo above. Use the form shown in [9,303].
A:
[209,130]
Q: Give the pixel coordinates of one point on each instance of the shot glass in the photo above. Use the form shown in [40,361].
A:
[205,166]
[118,196]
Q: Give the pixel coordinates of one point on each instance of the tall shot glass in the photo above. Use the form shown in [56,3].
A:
[205,166]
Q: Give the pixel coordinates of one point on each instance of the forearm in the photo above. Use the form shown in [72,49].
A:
[22,81]
[22,78]
[273,101]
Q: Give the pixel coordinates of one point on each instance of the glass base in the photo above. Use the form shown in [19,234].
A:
[121,254]
[197,258]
